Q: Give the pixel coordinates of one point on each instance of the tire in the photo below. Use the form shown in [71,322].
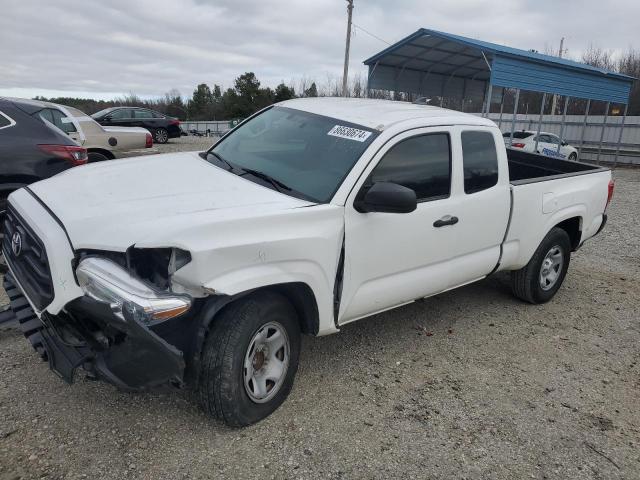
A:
[527,283]
[233,349]
[97,157]
[573,157]
[160,135]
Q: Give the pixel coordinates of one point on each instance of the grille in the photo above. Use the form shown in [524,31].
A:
[30,266]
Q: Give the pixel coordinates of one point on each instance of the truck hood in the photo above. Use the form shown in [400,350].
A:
[153,200]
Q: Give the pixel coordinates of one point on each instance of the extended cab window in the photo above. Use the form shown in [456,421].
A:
[480,161]
[422,164]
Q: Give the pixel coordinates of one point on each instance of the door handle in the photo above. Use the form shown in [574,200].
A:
[444,221]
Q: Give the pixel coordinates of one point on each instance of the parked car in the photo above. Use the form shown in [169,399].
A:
[30,149]
[102,143]
[161,126]
[547,144]
[204,269]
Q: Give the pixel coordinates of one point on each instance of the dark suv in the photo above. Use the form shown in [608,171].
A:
[161,126]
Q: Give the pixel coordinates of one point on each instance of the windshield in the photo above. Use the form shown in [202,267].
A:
[299,153]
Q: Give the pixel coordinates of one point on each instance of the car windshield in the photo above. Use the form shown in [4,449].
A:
[295,152]
[519,135]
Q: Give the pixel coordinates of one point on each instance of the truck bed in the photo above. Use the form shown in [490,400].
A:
[525,167]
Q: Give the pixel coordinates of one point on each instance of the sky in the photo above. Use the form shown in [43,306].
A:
[107,48]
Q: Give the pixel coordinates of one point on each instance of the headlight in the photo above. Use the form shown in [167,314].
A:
[108,282]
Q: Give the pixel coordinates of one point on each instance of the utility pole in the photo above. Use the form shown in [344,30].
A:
[555,97]
[345,76]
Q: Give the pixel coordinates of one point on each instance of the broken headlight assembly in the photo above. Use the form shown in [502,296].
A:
[107,282]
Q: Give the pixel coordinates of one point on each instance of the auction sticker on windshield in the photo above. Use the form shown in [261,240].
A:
[349,133]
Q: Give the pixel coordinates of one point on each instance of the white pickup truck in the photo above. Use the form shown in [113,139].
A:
[203,269]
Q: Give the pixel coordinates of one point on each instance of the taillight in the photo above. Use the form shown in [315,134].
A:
[174,122]
[148,143]
[610,192]
[75,155]
[518,145]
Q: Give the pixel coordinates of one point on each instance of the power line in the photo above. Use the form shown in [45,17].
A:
[370,34]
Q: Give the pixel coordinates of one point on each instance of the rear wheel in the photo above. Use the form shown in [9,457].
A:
[161,135]
[97,157]
[541,278]
[250,359]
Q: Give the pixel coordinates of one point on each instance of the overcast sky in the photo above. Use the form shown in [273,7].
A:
[103,49]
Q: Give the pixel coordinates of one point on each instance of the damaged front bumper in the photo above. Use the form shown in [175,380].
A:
[121,350]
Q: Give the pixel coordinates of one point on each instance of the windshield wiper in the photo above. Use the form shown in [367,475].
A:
[222,160]
[277,184]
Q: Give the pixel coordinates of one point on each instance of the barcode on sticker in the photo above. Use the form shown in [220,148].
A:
[349,133]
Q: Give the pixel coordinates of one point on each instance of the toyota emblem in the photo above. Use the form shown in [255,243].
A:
[16,244]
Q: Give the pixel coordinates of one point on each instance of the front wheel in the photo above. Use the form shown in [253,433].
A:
[161,135]
[250,359]
[541,278]
[573,157]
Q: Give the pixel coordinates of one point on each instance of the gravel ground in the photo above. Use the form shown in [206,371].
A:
[469,384]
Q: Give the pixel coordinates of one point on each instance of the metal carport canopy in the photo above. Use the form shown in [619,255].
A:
[429,62]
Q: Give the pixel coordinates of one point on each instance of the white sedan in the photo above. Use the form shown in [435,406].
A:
[547,144]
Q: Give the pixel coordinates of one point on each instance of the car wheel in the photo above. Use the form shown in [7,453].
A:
[161,135]
[96,157]
[541,278]
[249,359]
[573,157]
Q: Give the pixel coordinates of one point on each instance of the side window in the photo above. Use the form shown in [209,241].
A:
[142,114]
[61,121]
[6,121]
[46,115]
[421,163]
[553,139]
[480,161]
[121,114]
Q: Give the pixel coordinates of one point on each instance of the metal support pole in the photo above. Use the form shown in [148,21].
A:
[564,119]
[624,117]
[487,100]
[345,75]
[584,128]
[513,118]
[501,109]
[604,126]
[544,100]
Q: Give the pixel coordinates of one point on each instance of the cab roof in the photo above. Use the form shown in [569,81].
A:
[381,114]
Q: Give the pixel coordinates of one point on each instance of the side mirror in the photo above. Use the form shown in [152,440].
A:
[387,197]
[564,144]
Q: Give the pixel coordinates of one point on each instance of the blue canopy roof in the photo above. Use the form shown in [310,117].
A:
[428,58]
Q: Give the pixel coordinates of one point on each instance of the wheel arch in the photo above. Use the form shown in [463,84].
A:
[299,294]
[573,227]
[102,151]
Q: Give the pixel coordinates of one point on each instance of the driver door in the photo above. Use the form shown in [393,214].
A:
[392,258]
